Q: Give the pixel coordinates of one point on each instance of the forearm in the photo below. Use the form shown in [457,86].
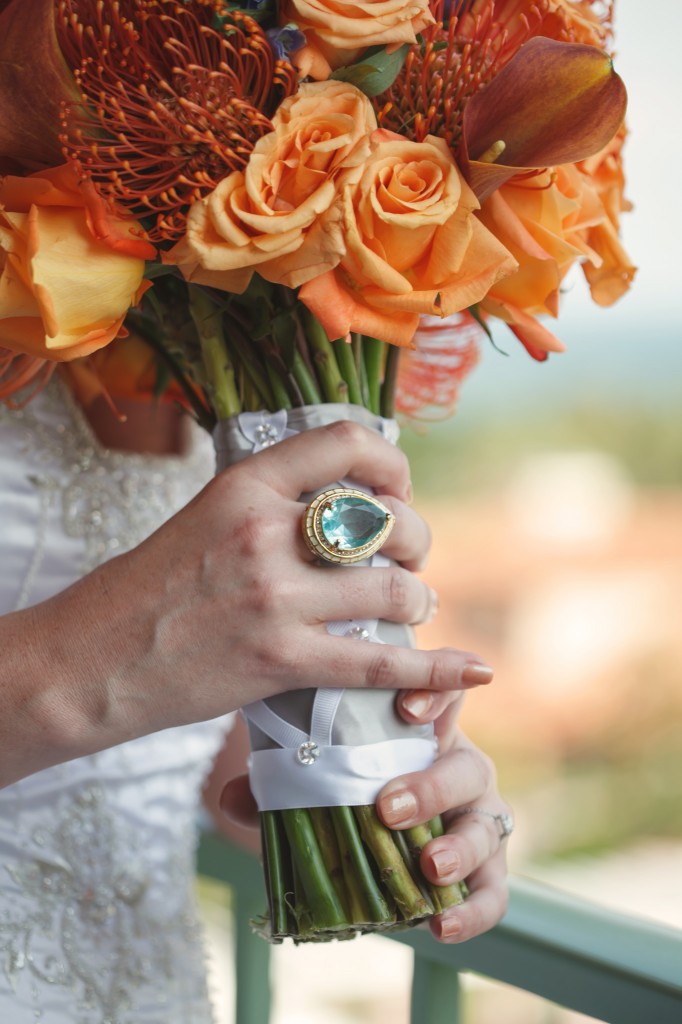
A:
[222,606]
[80,672]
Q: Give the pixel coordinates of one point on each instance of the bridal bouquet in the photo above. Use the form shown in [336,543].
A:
[256,211]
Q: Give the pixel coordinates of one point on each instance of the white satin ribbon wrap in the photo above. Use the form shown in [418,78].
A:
[306,768]
[340,776]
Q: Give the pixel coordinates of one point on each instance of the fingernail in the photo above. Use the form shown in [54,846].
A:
[477,675]
[445,862]
[450,926]
[399,807]
[418,703]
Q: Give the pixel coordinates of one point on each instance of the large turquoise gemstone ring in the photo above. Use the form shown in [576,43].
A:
[343,526]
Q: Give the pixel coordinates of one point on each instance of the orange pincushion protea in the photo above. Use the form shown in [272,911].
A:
[18,372]
[461,54]
[509,23]
[175,96]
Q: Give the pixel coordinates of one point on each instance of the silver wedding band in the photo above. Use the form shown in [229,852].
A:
[504,822]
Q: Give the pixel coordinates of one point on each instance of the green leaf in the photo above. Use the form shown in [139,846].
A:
[376,72]
[163,379]
[476,314]
[155,270]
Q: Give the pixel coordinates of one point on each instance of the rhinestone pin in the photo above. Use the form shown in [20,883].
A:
[308,752]
[267,435]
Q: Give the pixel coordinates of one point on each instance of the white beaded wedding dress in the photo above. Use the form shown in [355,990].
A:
[97,917]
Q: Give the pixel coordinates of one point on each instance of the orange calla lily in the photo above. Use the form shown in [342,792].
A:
[553,103]
[34,80]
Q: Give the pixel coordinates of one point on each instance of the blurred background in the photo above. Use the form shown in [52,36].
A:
[555,498]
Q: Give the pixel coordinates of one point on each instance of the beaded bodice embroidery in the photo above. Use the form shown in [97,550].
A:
[106,501]
[97,918]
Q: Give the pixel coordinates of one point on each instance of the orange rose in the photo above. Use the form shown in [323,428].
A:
[413,245]
[548,222]
[610,274]
[268,218]
[69,269]
[337,31]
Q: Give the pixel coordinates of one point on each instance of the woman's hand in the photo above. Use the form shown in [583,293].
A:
[460,784]
[223,605]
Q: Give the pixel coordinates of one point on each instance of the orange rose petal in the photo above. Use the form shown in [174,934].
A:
[27,335]
[323,245]
[341,311]
[76,282]
[613,275]
[310,63]
[235,281]
[64,292]
[23,334]
[341,31]
[120,234]
[530,332]
[15,295]
[19,194]
[499,217]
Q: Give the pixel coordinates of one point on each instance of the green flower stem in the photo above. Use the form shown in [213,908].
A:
[345,825]
[142,325]
[393,872]
[248,359]
[414,869]
[449,895]
[373,350]
[305,381]
[251,399]
[305,924]
[279,392]
[417,837]
[333,385]
[346,363]
[435,826]
[219,371]
[326,837]
[274,873]
[359,910]
[361,369]
[280,372]
[387,406]
[442,895]
[325,908]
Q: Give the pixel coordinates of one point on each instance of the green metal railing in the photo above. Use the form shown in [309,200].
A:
[615,968]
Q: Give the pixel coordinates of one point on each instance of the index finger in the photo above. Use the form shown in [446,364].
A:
[319,457]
